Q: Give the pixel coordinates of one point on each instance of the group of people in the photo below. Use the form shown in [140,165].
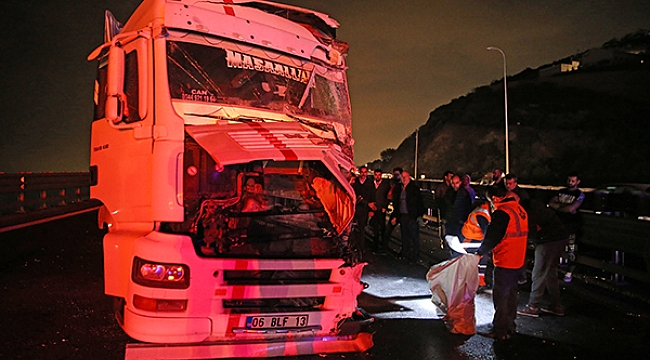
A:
[373,198]
[499,228]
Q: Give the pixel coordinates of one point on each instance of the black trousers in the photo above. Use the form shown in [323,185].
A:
[505,296]
[378,224]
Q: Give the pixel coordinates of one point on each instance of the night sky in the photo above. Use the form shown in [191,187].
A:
[406,59]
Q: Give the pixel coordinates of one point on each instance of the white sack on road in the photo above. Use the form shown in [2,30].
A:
[453,284]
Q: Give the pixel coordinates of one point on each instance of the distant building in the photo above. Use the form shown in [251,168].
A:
[559,68]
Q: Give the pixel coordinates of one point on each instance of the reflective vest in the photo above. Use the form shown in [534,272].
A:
[510,253]
[471,229]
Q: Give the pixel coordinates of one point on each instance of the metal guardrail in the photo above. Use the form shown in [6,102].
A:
[620,245]
[620,238]
[614,247]
[30,198]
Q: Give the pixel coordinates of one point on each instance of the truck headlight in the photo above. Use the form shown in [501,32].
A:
[160,275]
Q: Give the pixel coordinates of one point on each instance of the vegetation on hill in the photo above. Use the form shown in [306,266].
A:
[592,121]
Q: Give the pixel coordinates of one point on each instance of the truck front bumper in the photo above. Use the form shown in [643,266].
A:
[252,349]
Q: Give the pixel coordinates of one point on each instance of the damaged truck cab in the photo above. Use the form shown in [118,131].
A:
[221,149]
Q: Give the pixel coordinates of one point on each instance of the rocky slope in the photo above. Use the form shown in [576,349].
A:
[593,122]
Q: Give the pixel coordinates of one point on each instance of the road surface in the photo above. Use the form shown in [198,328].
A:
[54,308]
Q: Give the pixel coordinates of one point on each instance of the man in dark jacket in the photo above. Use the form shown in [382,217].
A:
[395,182]
[512,185]
[441,190]
[407,202]
[550,237]
[458,205]
[378,220]
[365,193]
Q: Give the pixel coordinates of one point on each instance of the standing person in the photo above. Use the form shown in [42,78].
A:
[378,220]
[408,204]
[512,185]
[442,188]
[567,203]
[550,237]
[439,193]
[395,181]
[467,184]
[506,237]
[458,205]
[365,193]
[497,177]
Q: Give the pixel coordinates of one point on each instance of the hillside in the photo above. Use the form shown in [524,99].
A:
[593,121]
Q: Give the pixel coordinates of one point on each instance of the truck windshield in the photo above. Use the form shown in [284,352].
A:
[224,73]
[288,209]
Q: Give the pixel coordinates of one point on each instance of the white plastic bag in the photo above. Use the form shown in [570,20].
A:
[453,285]
[454,243]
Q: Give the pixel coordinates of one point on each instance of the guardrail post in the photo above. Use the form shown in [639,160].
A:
[619,259]
[440,226]
[21,201]
[43,199]
[21,195]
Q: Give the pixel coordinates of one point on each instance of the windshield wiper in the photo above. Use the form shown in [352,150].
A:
[317,125]
[305,94]
[237,119]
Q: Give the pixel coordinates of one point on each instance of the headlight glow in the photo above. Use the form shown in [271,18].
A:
[161,275]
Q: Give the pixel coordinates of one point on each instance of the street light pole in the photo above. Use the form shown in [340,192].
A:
[505,94]
[415,165]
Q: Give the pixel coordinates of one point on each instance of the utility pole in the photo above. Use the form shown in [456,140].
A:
[415,170]
[505,95]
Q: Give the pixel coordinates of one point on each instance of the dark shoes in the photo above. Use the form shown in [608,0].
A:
[528,310]
[557,311]
[534,311]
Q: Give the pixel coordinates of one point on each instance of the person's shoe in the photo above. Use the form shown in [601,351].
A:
[493,335]
[557,311]
[568,277]
[528,310]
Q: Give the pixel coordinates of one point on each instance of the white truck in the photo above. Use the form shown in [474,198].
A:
[221,149]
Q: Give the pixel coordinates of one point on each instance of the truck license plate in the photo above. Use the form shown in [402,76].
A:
[277,322]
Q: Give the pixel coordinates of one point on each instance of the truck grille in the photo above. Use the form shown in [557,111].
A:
[276,277]
[283,305]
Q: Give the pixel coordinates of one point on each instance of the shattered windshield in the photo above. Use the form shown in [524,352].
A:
[290,209]
[225,73]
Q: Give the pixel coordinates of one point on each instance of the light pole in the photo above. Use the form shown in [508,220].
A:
[415,162]
[505,94]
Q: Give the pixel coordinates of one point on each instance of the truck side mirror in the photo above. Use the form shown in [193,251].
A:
[115,84]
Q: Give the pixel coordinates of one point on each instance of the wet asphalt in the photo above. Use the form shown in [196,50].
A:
[54,308]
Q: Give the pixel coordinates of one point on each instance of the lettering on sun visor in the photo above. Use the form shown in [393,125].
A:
[242,61]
